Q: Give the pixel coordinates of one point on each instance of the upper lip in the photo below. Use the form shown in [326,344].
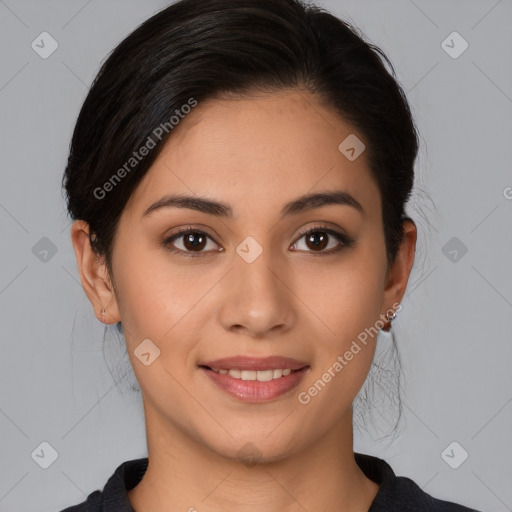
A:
[254,363]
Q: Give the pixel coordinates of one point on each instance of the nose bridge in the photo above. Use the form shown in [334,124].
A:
[259,275]
[256,297]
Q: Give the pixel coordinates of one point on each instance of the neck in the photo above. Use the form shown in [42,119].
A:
[183,475]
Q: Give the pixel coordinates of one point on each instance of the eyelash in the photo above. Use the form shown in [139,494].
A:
[344,240]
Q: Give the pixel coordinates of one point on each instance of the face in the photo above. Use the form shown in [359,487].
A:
[245,280]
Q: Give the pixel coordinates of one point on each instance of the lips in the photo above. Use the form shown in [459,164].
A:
[254,363]
[242,384]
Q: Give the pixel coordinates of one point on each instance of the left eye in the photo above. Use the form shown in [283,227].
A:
[317,239]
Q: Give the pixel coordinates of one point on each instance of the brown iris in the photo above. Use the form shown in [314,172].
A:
[194,241]
[318,239]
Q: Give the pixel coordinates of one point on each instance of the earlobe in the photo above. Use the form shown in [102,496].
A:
[94,275]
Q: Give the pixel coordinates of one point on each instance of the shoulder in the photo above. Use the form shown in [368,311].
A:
[114,496]
[405,495]
[93,503]
[399,492]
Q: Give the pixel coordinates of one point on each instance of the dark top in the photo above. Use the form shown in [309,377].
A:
[395,493]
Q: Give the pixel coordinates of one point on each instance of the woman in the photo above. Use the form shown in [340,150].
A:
[238,177]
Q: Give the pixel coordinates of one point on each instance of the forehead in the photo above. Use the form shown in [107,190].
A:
[266,147]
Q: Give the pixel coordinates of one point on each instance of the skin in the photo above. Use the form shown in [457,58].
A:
[256,154]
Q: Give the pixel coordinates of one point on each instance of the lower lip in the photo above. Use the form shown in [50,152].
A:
[255,390]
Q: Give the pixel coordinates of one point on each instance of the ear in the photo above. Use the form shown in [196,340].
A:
[398,273]
[94,275]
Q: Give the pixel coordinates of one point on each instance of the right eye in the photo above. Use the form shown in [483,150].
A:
[192,242]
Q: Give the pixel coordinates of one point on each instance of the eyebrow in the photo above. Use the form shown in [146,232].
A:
[301,204]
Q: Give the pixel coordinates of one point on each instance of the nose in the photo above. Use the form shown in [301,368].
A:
[258,297]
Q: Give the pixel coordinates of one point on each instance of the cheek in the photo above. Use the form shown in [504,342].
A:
[154,294]
[345,296]
[156,303]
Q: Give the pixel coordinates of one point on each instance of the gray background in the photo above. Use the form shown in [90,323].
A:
[453,332]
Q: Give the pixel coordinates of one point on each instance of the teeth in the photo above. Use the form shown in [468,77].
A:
[261,375]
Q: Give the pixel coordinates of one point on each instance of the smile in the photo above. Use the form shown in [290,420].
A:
[256,385]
